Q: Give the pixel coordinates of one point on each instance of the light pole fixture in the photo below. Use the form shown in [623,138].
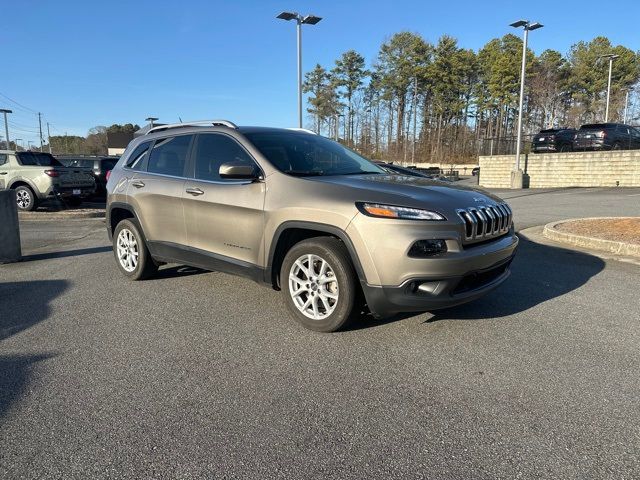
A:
[527,26]
[300,20]
[29,142]
[6,124]
[611,57]
[151,120]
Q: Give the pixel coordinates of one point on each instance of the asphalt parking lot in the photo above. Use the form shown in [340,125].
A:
[200,374]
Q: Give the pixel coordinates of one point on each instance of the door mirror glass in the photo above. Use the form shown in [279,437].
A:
[238,170]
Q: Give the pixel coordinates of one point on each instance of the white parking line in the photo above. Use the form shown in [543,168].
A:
[634,195]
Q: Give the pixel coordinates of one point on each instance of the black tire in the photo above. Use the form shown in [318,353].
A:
[27,200]
[336,256]
[616,146]
[566,148]
[145,267]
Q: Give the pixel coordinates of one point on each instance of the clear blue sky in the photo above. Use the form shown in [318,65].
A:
[85,63]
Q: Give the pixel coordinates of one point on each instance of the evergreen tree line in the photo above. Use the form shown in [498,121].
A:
[419,102]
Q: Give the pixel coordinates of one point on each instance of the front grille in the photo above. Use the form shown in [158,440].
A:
[481,223]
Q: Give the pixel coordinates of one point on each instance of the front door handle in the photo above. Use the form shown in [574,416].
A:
[137,184]
[194,191]
[3,173]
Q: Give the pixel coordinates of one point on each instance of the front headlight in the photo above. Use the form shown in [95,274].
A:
[393,211]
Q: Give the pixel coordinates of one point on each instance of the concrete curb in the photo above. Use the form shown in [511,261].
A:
[611,246]
[64,215]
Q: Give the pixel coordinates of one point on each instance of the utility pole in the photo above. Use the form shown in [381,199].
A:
[40,124]
[6,125]
[49,137]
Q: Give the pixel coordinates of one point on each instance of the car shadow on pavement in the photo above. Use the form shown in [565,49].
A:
[65,253]
[177,271]
[539,273]
[23,305]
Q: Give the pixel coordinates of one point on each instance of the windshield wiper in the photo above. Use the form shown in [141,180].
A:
[305,173]
[360,173]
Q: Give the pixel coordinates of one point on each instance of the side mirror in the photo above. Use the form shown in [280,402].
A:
[239,170]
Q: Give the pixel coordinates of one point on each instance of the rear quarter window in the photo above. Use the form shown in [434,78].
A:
[136,159]
[3,158]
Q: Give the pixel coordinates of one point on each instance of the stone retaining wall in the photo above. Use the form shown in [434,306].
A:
[576,169]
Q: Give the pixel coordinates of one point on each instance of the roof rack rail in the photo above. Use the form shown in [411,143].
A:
[305,130]
[198,123]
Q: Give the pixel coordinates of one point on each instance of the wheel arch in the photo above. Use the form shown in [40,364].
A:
[117,212]
[291,232]
[20,181]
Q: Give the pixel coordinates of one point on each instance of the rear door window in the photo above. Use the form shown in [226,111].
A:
[3,158]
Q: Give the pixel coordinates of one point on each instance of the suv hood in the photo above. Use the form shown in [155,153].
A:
[421,190]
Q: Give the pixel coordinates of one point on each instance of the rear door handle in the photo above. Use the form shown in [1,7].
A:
[3,173]
[137,184]
[194,191]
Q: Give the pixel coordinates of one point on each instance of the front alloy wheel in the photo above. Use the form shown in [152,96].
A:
[319,283]
[313,287]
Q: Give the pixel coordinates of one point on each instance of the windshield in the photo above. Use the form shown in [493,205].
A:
[37,159]
[304,154]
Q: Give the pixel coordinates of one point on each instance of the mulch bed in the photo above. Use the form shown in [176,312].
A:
[616,229]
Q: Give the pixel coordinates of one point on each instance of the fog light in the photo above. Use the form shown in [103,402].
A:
[427,248]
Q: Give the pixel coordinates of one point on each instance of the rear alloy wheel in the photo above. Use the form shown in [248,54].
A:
[617,146]
[566,148]
[25,198]
[131,252]
[319,284]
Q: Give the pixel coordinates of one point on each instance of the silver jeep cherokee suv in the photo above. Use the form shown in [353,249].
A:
[307,216]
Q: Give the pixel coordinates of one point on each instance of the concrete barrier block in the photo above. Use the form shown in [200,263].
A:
[10,250]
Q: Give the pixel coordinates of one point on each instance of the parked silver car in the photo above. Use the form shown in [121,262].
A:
[307,216]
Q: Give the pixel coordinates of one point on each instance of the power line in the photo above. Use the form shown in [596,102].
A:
[18,104]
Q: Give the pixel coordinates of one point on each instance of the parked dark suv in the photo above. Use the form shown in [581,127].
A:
[99,167]
[553,140]
[607,136]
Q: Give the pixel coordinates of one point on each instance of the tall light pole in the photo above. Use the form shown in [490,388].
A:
[308,20]
[6,125]
[611,57]
[16,140]
[626,104]
[527,26]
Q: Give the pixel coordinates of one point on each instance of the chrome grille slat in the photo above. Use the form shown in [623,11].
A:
[485,222]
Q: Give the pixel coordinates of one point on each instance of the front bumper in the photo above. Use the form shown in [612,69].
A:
[394,282]
[427,294]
